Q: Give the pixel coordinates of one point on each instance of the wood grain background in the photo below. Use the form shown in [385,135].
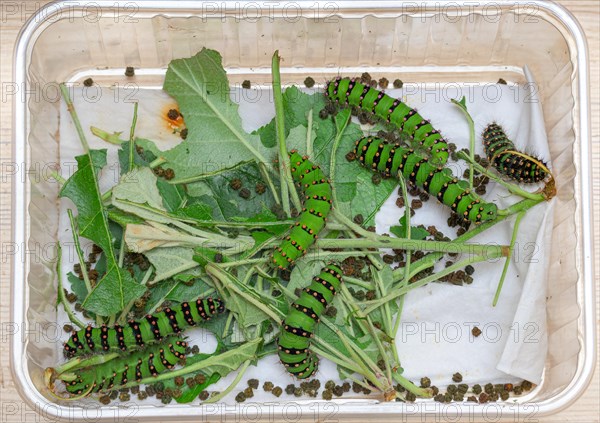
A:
[585,410]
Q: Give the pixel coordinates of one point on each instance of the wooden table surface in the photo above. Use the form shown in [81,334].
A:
[585,409]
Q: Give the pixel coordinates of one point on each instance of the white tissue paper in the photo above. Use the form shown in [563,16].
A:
[435,333]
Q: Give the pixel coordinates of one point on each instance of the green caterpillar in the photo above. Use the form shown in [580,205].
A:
[151,329]
[438,181]
[346,91]
[509,161]
[299,324]
[120,371]
[317,205]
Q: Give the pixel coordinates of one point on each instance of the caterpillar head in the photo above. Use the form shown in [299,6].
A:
[487,211]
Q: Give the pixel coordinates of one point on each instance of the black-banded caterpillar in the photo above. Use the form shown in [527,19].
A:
[506,159]
[299,324]
[438,181]
[137,333]
[134,367]
[317,205]
[346,91]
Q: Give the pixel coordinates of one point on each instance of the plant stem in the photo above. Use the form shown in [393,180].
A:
[71,108]
[58,177]
[354,228]
[232,385]
[336,142]
[230,282]
[407,224]
[340,360]
[309,138]
[230,264]
[157,162]
[61,291]
[132,136]
[82,264]
[358,282]
[463,107]
[414,245]
[123,316]
[507,262]
[421,282]
[80,362]
[287,183]
[193,368]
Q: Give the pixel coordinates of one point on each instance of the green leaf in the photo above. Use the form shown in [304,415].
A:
[226,202]
[296,105]
[116,288]
[417,233]
[216,140]
[173,196]
[122,218]
[137,193]
[231,360]
[190,394]
[170,261]
[203,256]
[196,211]
[303,273]
[123,154]
[174,289]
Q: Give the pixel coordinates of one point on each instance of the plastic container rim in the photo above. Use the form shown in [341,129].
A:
[20,197]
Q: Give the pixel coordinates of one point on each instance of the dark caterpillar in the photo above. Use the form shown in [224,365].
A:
[136,366]
[151,329]
[299,324]
[317,205]
[351,92]
[438,181]
[506,159]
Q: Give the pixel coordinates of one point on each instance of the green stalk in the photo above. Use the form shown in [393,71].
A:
[340,360]
[237,263]
[287,183]
[84,271]
[80,362]
[114,138]
[373,305]
[232,385]
[309,138]
[265,173]
[132,136]
[71,108]
[407,222]
[123,316]
[332,167]
[122,250]
[227,325]
[231,283]
[356,229]
[414,245]
[357,282]
[157,162]
[387,315]
[61,291]
[407,268]
[463,107]
[430,259]
[192,368]
[250,225]
[58,177]
[507,262]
